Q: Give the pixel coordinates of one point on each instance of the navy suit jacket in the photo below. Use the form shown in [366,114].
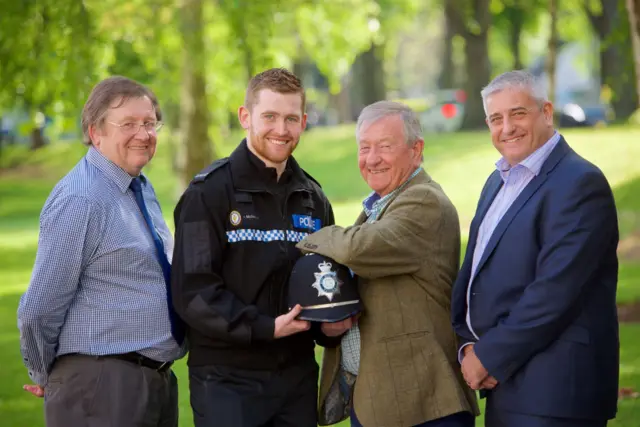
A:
[543,300]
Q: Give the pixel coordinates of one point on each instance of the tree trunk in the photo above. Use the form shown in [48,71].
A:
[616,57]
[475,31]
[298,69]
[194,111]
[368,78]
[340,103]
[515,33]
[552,46]
[447,73]
[37,138]
[633,7]
[247,53]
[478,69]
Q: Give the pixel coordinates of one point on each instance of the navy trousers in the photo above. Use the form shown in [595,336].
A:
[500,418]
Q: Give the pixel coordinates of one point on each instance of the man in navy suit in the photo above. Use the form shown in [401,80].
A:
[534,302]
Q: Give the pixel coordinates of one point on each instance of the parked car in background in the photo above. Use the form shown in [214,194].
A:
[444,111]
[16,126]
[580,109]
[572,109]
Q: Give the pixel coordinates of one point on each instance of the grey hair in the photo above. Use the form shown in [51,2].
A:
[378,110]
[518,79]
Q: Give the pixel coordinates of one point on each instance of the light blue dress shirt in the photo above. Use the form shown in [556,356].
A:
[97,287]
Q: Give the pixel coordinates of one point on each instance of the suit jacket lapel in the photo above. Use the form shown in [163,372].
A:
[555,156]
[421,178]
[361,218]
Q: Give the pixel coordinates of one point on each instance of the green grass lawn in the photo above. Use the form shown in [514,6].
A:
[459,162]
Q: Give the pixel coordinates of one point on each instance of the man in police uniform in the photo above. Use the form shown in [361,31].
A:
[251,362]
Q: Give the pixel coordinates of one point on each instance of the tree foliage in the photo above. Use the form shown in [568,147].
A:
[48,56]
[511,18]
[53,51]
[633,9]
[610,23]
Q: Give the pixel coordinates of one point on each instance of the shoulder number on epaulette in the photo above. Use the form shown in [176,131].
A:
[204,173]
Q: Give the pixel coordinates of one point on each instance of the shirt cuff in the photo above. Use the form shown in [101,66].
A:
[461,352]
[39,378]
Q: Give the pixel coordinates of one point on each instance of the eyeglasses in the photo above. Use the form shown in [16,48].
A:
[132,128]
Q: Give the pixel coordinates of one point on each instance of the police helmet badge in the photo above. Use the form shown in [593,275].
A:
[327,282]
[315,279]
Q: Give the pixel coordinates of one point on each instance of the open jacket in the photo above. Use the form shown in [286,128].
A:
[407,262]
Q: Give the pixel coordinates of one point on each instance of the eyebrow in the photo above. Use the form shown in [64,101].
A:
[511,110]
[146,116]
[275,113]
[380,141]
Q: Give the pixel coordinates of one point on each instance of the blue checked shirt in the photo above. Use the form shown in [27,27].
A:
[97,287]
[373,205]
[515,179]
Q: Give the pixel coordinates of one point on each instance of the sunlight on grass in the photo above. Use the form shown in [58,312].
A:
[17,283]
[629,409]
[346,213]
[628,368]
[20,238]
[629,282]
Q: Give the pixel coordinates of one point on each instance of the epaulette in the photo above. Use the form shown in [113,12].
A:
[204,173]
[311,178]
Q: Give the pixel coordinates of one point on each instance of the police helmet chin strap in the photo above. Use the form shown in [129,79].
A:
[331,305]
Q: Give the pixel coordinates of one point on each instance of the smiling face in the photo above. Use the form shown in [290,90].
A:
[384,157]
[130,151]
[274,125]
[518,124]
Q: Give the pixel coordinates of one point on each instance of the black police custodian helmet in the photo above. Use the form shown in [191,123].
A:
[326,290]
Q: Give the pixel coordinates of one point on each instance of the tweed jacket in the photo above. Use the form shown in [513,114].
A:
[406,262]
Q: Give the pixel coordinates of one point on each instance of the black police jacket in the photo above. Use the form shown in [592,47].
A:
[236,231]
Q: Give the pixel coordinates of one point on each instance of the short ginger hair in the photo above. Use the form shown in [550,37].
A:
[279,80]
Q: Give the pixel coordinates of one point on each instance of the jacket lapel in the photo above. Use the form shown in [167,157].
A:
[361,218]
[554,157]
[421,178]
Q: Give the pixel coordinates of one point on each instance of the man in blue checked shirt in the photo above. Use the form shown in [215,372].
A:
[97,333]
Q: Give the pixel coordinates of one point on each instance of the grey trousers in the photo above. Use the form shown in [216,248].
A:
[85,391]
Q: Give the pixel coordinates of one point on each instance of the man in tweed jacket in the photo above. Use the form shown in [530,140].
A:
[397,366]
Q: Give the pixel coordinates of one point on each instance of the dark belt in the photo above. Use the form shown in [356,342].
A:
[141,360]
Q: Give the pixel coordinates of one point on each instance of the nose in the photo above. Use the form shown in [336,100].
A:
[145,134]
[508,127]
[281,127]
[373,158]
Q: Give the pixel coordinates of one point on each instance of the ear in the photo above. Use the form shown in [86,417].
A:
[94,135]
[244,117]
[418,149]
[303,122]
[547,110]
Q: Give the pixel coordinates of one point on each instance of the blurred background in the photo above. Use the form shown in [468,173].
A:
[198,55]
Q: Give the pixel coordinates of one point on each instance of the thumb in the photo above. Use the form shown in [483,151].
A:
[295,311]
[33,389]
